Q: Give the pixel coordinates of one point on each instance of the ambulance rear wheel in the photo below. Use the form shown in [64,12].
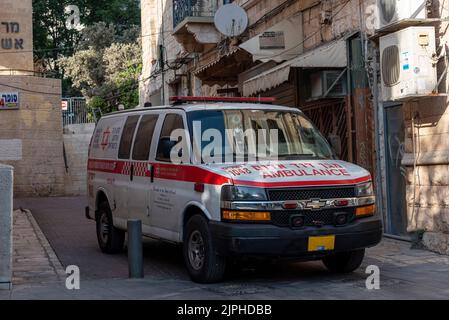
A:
[110,239]
[344,262]
[202,261]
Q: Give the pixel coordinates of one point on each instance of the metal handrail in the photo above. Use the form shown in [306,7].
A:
[192,8]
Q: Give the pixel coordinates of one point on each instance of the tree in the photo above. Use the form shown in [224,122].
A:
[53,40]
[105,71]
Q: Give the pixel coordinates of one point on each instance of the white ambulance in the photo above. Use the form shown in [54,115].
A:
[207,189]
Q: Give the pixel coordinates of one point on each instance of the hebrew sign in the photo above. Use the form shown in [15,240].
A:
[11,41]
[9,100]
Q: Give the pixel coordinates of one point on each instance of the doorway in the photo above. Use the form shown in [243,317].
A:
[396,223]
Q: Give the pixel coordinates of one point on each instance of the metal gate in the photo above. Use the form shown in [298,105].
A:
[75,111]
[331,118]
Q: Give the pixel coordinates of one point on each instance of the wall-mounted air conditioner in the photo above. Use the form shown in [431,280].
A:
[322,81]
[394,11]
[408,65]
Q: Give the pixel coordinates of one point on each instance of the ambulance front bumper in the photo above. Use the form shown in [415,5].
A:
[265,240]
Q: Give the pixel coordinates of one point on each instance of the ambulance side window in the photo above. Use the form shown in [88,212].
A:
[165,145]
[127,137]
[142,143]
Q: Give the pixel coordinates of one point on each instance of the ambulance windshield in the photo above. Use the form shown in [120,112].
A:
[254,135]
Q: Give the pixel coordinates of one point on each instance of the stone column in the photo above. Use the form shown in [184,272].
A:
[6,187]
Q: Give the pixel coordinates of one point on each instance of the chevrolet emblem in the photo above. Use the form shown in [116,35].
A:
[315,204]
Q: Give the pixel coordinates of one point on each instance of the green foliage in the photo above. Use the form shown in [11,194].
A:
[106,72]
[52,40]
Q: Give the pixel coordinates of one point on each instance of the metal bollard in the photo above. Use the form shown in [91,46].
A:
[6,202]
[135,252]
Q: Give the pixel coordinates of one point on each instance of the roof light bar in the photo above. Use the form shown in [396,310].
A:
[183,99]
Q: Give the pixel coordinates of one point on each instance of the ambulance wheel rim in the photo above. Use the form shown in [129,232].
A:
[196,250]
[104,228]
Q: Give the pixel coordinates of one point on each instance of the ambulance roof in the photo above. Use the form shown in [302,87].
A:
[208,106]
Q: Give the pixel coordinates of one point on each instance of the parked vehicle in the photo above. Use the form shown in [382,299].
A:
[297,201]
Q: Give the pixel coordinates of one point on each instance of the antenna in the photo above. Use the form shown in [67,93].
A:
[231,20]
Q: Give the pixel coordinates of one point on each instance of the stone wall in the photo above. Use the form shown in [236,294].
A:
[427,156]
[31,137]
[157,27]
[76,145]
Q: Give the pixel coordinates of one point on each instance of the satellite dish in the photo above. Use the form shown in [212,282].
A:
[231,20]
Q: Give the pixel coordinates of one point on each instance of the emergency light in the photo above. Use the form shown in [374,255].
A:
[185,99]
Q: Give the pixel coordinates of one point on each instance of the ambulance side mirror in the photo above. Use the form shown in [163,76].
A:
[335,143]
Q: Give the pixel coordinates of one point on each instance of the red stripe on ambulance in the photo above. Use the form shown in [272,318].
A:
[187,173]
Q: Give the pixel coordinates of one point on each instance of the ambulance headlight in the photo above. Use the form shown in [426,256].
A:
[364,190]
[234,193]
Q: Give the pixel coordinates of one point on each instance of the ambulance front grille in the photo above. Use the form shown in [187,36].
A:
[311,218]
[310,193]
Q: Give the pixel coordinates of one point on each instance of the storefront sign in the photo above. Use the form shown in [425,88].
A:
[9,100]
[272,40]
[281,42]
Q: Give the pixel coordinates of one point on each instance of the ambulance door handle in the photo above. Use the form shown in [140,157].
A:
[132,173]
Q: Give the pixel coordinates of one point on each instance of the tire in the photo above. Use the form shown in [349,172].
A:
[344,262]
[203,263]
[110,239]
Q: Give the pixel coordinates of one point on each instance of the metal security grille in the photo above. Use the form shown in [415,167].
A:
[192,8]
[307,194]
[311,218]
[75,111]
[331,118]
[391,69]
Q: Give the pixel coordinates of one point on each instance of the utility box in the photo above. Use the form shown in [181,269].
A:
[408,63]
[6,192]
[396,11]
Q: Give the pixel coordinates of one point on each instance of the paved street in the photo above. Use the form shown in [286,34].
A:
[405,273]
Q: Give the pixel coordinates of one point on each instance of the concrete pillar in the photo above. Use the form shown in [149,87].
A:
[6,187]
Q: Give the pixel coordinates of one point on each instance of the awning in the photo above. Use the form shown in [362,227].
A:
[223,69]
[330,55]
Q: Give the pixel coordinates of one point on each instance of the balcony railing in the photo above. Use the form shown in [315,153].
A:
[183,9]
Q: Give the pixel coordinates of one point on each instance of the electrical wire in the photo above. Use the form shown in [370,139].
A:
[28,90]
[74,47]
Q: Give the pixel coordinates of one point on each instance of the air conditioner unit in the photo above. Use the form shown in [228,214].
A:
[394,11]
[322,81]
[408,65]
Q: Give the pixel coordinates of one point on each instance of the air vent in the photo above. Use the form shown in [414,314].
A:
[400,12]
[338,89]
[391,68]
[388,10]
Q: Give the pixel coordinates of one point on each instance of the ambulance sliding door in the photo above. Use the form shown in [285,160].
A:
[140,185]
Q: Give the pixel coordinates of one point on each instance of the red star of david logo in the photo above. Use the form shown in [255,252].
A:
[105,138]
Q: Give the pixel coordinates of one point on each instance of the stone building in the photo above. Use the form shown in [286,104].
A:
[30,109]
[323,57]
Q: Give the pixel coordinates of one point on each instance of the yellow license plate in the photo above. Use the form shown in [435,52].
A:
[321,243]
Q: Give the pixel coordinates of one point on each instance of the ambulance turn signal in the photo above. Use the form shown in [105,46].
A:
[367,211]
[246,215]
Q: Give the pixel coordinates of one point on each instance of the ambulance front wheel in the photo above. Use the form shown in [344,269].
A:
[110,239]
[202,261]
[344,262]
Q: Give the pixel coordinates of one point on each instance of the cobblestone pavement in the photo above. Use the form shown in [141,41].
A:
[405,273]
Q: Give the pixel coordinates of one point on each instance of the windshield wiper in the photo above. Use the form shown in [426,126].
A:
[299,156]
